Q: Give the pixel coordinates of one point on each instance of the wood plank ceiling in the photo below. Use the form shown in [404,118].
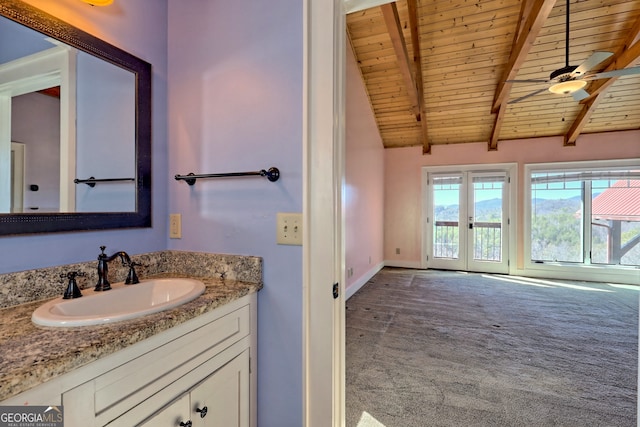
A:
[435,70]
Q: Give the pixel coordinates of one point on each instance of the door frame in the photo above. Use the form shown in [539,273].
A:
[323,247]
[17,176]
[55,66]
[511,169]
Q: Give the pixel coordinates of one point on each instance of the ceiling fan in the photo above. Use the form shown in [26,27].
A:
[571,79]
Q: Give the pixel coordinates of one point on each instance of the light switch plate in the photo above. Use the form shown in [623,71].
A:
[289,228]
[175,226]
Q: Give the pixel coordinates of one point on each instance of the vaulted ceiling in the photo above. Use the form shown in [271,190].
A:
[437,71]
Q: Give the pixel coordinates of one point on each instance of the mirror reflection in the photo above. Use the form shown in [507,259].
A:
[65,117]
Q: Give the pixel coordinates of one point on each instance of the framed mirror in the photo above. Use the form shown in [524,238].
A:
[75,128]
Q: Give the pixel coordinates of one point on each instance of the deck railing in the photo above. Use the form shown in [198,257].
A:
[487,240]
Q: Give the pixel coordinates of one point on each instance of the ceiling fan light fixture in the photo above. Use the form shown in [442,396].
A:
[567,87]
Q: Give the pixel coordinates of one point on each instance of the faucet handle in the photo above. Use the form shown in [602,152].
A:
[132,277]
[72,290]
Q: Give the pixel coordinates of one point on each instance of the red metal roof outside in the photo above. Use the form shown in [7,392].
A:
[619,202]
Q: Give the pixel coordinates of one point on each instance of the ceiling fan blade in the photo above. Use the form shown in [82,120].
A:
[527,96]
[614,73]
[592,61]
[580,94]
[527,81]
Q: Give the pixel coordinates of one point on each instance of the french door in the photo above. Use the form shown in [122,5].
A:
[467,220]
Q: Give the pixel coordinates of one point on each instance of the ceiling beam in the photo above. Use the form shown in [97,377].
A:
[533,14]
[626,55]
[497,125]
[579,123]
[412,6]
[535,19]
[525,9]
[392,21]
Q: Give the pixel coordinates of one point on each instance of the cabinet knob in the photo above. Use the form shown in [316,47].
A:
[187,424]
[203,412]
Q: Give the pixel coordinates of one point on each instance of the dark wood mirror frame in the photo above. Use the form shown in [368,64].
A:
[51,26]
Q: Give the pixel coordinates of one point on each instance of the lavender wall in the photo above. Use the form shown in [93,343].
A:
[104,150]
[35,122]
[139,27]
[364,179]
[17,41]
[235,104]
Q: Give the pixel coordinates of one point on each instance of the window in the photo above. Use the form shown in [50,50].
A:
[585,215]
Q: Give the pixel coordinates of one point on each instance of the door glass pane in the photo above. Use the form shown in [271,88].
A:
[487,217]
[556,217]
[446,207]
[615,221]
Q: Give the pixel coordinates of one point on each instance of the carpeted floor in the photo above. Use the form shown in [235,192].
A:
[434,348]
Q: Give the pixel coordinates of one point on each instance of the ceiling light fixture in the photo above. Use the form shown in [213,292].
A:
[567,87]
[98,2]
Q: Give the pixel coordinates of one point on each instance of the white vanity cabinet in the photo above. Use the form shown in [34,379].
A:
[221,400]
[162,381]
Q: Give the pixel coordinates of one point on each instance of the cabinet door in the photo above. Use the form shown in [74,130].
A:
[225,394]
[171,415]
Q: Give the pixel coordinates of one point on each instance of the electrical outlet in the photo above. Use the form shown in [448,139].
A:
[175,226]
[289,230]
[397,251]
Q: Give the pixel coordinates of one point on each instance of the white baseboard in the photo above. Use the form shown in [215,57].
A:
[355,286]
[548,271]
[403,264]
[581,273]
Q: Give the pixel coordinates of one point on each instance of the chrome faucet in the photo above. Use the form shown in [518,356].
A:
[103,269]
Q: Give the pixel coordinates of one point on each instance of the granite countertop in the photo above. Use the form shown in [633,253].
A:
[32,354]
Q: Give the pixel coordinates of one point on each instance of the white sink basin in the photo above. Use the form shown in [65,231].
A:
[122,302]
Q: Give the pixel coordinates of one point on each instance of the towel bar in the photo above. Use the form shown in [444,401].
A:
[91,182]
[272,174]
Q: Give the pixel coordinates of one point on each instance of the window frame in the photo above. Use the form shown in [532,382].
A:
[570,270]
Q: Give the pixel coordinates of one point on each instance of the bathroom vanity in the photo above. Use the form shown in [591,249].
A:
[194,364]
[161,369]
